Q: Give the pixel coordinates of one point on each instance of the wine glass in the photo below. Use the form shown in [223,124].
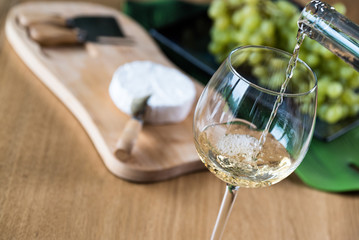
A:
[240,135]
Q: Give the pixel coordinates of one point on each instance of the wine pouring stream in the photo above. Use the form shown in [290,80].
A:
[251,131]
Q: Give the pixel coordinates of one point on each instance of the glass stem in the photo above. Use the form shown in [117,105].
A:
[225,211]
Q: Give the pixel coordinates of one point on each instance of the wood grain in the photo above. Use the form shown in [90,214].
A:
[53,184]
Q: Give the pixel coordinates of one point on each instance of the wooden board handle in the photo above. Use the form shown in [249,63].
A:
[49,35]
[28,19]
[128,139]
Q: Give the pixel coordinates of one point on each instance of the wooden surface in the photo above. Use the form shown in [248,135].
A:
[80,77]
[54,185]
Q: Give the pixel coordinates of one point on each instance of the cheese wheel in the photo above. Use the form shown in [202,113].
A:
[172,93]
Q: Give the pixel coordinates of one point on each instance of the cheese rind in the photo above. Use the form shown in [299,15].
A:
[172,92]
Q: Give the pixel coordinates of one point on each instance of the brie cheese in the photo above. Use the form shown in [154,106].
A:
[172,93]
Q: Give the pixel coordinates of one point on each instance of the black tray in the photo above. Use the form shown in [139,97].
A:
[186,44]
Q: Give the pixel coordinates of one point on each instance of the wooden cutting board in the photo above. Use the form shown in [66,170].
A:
[80,76]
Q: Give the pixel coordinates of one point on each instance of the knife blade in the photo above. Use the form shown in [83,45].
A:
[51,35]
[51,30]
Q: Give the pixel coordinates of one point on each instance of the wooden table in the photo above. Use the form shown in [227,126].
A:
[54,185]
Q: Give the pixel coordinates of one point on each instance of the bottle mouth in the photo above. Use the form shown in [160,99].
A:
[314,6]
[318,7]
[313,82]
[311,14]
[315,10]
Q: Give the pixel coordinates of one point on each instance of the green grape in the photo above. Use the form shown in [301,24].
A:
[334,113]
[346,72]
[276,81]
[312,60]
[238,17]
[240,36]
[324,83]
[256,39]
[349,97]
[267,29]
[221,36]
[217,9]
[339,7]
[253,22]
[249,10]
[353,82]
[274,23]
[287,8]
[260,71]
[303,88]
[240,59]
[334,90]
[255,59]
[322,110]
[215,47]
[222,22]
[304,107]
[277,64]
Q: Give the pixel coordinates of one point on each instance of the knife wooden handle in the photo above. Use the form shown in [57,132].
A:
[128,139]
[50,35]
[28,19]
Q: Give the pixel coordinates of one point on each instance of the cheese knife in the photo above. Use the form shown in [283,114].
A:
[52,30]
[132,129]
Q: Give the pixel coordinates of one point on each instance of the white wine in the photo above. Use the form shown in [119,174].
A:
[229,150]
[242,156]
[288,76]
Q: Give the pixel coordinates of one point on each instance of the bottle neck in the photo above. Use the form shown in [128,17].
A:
[324,24]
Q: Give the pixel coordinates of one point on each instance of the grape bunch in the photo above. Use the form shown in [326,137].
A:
[274,23]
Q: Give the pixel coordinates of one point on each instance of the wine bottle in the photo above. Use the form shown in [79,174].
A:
[322,23]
